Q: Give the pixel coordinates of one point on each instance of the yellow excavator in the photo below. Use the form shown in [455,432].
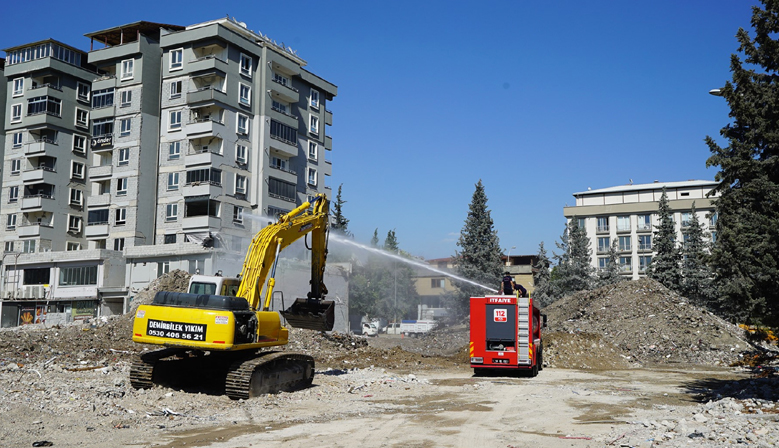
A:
[224,339]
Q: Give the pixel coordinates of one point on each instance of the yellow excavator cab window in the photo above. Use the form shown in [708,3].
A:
[202,288]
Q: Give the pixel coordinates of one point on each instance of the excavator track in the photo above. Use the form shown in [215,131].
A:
[142,368]
[269,372]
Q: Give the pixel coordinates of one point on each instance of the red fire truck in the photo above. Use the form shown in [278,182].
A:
[506,335]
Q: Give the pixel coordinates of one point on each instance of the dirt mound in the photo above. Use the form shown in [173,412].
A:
[646,322]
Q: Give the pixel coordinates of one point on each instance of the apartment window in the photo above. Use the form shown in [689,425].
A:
[13,194]
[102,98]
[78,276]
[314,101]
[312,150]
[125,126]
[206,175]
[603,224]
[44,105]
[240,184]
[79,143]
[437,283]
[124,157]
[77,170]
[170,239]
[121,216]
[280,107]
[244,94]
[82,118]
[623,223]
[16,113]
[643,263]
[625,264]
[313,124]
[104,126]
[713,237]
[241,152]
[72,246]
[82,91]
[74,223]
[603,244]
[283,132]
[9,246]
[246,65]
[644,222]
[10,223]
[17,139]
[277,162]
[163,268]
[28,246]
[624,243]
[283,80]
[686,219]
[712,218]
[125,98]
[176,59]
[174,150]
[16,166]
[243,124]
[173,181]
[121,187]
[171,212]
[76,196]
[238,215]
[175,120]
[175,89]
[127,69]
[119,244]
[603,262]
[645,242]
[311,176]
[18,87]
[281,189]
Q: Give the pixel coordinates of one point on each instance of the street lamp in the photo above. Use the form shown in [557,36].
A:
[508,259]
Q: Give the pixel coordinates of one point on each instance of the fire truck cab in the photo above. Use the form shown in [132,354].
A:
[506,335]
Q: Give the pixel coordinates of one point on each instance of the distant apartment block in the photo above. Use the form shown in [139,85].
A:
[628,215]
[164,147]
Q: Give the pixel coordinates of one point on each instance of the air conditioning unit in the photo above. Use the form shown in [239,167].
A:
[35,292]
[8,294]
[23,293]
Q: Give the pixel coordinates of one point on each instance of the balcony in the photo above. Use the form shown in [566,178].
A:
[40,175]
[602,229]
[202,189]
[98,200]
[328,118]
[203,158]
[39,202]
[96,230]
[100,172]
[204,222]
[35,230]
[284,174]
[623,229]
[103,112]
[204,127]
[328,143]
[284,117]
[42,120]
[644,228]
[206,94]
[283,146]
[104,82]
[286,93]
[40,147]
[45,90]
[210,62]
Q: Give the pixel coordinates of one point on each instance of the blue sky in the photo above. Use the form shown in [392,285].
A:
[536,99]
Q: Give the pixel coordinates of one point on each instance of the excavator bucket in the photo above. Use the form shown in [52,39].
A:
[311,314]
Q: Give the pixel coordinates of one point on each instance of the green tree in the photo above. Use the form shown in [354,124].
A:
[665,266]
[574,269]
[340,223]
[610,274]
[744,258]
[542,289]
[696,275]
[391,242]
[375,238]
[479,257]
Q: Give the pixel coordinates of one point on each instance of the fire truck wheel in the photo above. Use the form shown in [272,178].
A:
[534,371]
[541,358]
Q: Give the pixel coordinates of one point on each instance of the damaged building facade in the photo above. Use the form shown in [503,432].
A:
[162,147]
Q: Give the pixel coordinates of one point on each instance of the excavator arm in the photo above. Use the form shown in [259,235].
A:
[262,257]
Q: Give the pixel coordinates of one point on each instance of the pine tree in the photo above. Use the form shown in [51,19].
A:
[610,275]
[375,238]
[391,243]
[479,259]
[744,257]
[574,269]
[340,223]
[542,289]
[696,275]
[665,266]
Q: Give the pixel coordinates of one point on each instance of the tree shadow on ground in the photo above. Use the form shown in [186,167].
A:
[763,385]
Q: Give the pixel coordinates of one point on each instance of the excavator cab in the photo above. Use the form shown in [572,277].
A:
[311,314]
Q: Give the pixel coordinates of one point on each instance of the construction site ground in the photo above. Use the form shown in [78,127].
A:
[665,380]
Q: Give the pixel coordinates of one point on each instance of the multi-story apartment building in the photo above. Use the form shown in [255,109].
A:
[628,215]
[3,94]
[177,140]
